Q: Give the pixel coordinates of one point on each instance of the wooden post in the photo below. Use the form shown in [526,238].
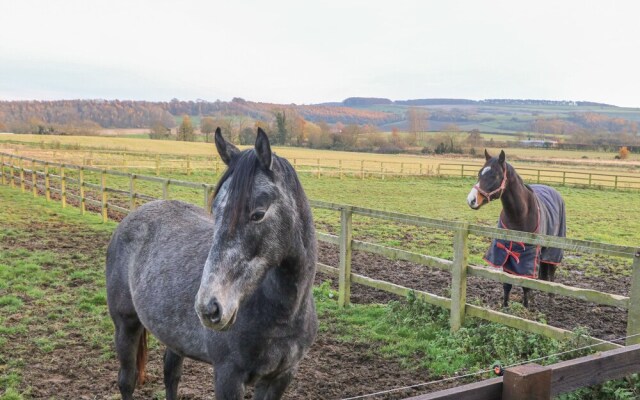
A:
[340,167]
[132,192]
[462,171]
[188,166]
[103,189]
[165,189]
[459,277]
[34,178]
[633,315]
[344,278]
[381,170]
[157,164]
[362,169]
[2,171]
[527,382]
[295,164]
[564,177]
[206,198]
[83,202]
[63,187]
[401,168]
[21,177]
[420,169]
[11,180]
[538,176]
[47,188]
[589,179]
[615,183]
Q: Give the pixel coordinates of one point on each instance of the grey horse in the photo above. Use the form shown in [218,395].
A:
[233,290]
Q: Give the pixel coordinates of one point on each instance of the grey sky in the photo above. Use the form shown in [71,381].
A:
[305,52]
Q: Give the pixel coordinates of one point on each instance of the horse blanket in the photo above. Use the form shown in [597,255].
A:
[523,259]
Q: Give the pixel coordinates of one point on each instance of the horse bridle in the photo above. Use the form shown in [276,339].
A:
[500,189]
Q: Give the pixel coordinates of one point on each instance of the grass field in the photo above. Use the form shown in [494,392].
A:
[54,321]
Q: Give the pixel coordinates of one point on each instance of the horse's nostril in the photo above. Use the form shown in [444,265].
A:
[213,311]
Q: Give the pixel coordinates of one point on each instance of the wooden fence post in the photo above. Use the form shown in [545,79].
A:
[589,179]
[83,202]
[527,382]
[206,197]
[564,178]
[615,183]
[459,277]
[103,190]
[538,176]
[420,169]
[63,187]
[165,189]
[11,172]
[344,279]
[362,169]
[633,315]
[158,165]
[34,178]
[462,171]
[2,171]
[340,167]
[21,176]
[132,192]
[188,166]
[47,188]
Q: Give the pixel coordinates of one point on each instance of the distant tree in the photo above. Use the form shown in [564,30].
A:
[624,152]
[159,131]
[207,127]
[475,138]
[247,136]
[3,127]
[281,128]
[186,132]
[417,120]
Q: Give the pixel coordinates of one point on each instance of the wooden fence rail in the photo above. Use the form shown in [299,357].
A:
[13,172]
[559,177]
[535,382]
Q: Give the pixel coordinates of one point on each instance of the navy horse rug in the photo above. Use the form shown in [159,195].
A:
[523,259]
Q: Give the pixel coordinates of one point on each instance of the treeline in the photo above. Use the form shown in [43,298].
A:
[59,117]
[369,101]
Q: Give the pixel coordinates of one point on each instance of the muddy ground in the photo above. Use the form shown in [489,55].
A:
[333,369]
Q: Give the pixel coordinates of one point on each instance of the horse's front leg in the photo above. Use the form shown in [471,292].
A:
[507,290]
[229,383]
[273,389]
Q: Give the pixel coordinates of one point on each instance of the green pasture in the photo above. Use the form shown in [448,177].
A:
[52,297]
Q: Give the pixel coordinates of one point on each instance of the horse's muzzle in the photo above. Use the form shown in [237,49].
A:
[212,315]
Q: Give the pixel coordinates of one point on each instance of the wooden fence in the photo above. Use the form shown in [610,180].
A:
[14,172]
[558,177]
[534,382]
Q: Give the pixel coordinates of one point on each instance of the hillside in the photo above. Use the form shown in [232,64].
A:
[506,116]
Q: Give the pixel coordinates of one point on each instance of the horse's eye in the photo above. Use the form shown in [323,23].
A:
[257,215]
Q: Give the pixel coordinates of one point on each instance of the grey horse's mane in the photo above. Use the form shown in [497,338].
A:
[244,168]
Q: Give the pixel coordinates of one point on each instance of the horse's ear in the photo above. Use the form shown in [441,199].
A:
[486,155]
[226,150]
[501,157]
[263,150]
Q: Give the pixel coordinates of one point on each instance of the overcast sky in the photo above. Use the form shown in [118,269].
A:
[307,52]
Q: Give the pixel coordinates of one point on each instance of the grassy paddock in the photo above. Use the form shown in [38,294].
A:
[52,298]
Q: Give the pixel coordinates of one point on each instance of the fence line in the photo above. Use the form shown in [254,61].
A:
[562,177]
[458,267]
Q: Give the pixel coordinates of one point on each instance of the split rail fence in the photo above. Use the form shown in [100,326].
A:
[15,173]
[558,177]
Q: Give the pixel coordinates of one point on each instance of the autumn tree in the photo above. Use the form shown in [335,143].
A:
[159,131]
[186,132]
[474,138]
[417,120]
[623,153]
[207,127]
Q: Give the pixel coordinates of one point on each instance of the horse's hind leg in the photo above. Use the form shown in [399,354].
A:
[129,332]
[529,296]
[172,373]
[274,389]
[507,290]
[548,273]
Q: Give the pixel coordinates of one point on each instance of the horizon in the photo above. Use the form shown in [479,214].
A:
[285,52]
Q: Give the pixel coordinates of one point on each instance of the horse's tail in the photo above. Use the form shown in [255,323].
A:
[141,358]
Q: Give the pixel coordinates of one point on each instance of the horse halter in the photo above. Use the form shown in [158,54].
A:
[500,189]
